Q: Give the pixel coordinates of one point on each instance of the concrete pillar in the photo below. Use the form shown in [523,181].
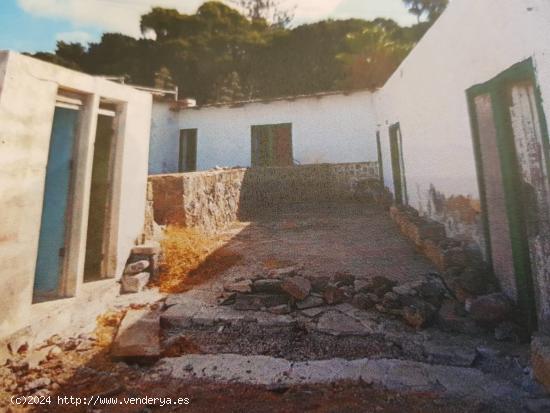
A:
[82,181]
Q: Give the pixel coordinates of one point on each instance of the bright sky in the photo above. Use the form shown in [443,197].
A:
[36,25]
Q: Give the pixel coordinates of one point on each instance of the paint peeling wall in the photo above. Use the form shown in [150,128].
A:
[471,43]
[27,101]
[330,129]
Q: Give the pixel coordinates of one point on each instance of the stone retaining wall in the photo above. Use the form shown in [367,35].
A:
[213,199]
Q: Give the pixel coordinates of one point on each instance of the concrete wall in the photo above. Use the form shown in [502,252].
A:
[27,102]
[334,128]
[211,200]
[471,43]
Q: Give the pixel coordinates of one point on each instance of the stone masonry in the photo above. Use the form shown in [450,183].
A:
[213,199]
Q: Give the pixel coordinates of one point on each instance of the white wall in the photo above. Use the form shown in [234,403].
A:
[27,102]
[332,129]
[471,43]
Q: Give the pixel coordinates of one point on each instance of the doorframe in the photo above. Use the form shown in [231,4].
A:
[182,162]
[380,158]
[399,177]
[522,71]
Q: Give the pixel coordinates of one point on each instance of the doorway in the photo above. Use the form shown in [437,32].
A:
[52,242]
[398,165]
[98,217]
[188,150]
[272,145]
[511,146]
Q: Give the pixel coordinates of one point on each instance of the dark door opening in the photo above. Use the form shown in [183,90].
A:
[188,150]
[272,145]
[398,165]
[94,268]
[380,159]
[55,209]
[511,144]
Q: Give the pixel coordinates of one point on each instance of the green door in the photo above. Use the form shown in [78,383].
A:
[398,165]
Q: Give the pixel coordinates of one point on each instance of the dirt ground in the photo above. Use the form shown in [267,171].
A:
[321,241]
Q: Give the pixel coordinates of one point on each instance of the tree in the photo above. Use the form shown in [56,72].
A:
[163,79]
[269,11]
[372,58]
[230,89]
[430,9]
[222,54]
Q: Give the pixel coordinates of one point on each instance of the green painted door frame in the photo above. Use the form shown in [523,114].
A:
[380,159]
[497,89]
[398,165]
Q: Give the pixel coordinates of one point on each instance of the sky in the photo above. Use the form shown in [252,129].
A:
[36,25]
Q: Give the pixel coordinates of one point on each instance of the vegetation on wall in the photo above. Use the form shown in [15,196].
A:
[249,51]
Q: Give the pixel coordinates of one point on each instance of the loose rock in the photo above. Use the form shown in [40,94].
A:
[297,287]
[419,314]
[244,286]
[334,295]
[136,267]
[269,286]
[491,308]
[310,302]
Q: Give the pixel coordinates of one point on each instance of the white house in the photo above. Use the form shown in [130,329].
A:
[460,130]
[323,128]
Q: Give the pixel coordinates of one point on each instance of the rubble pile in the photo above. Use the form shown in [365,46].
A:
[453,306]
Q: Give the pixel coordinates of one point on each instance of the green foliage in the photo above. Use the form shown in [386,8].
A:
[430,9]
[373,56]
[219,54]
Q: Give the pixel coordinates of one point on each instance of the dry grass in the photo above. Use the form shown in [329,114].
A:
[191,258]
[272,263]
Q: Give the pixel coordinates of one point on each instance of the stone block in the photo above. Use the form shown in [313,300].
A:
[138,337]
[268,286]
[489,309]
[255,302]
[297,287]
[135,283]
[540,359]
[419,314]
[149,248]
[334,295]
[310,302]
[136,267]
[243,286]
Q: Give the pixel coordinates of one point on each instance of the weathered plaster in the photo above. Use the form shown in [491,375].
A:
[27,101]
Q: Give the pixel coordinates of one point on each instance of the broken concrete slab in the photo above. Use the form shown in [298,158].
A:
[338,324]
[297,287]
[406,376]
[138,337]
[449,355]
